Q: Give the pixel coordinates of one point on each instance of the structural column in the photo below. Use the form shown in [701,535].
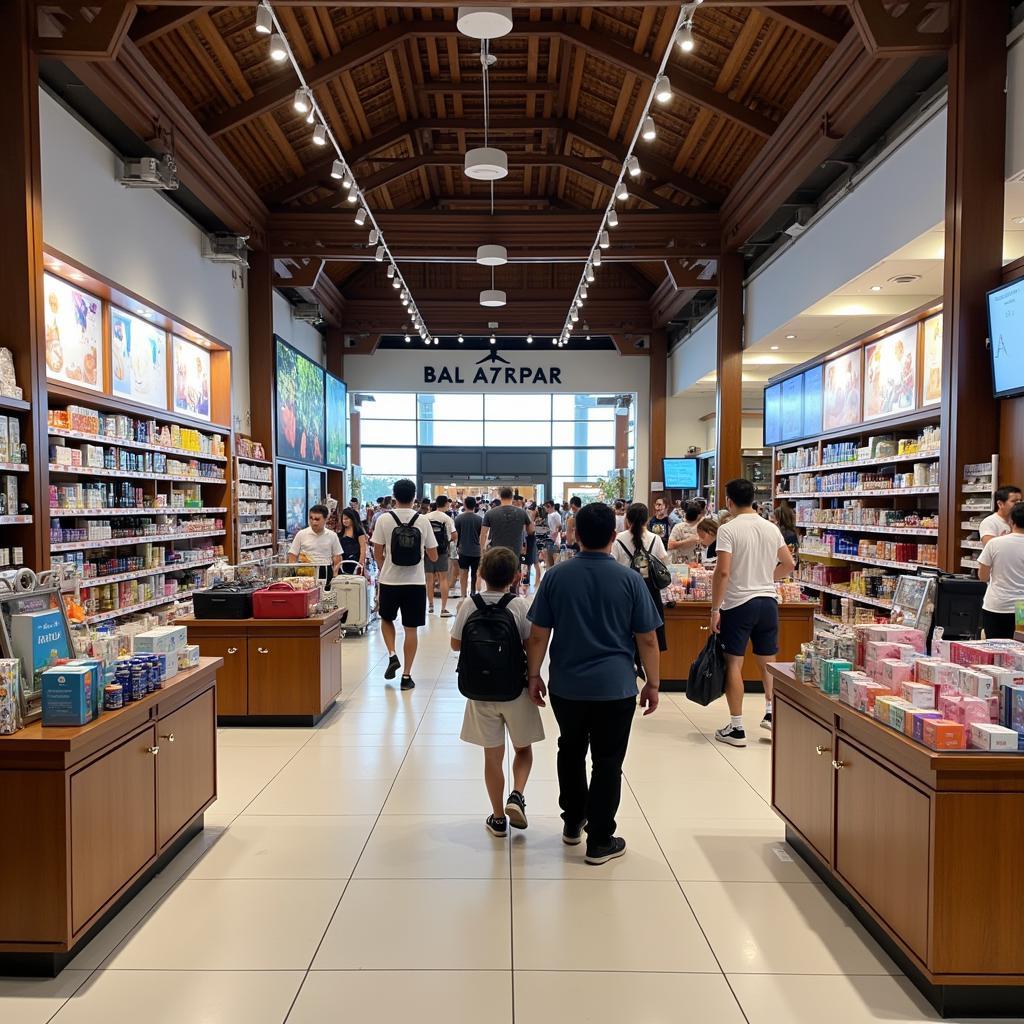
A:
[260,284]
[334,361]
[975,183]
[729,380]
[657,419]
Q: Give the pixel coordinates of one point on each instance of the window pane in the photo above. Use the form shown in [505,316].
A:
[451,407]
[389,432]
[517,434]
[451,433]
[385,461]
[582,463]
[600,462]
[589,435]
[388,406]
[522,407]
[582,407]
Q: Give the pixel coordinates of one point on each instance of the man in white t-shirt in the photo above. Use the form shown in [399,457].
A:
[444,533]
[998,524]
[315,544]
[402,587]
[1001,566]
[744,608]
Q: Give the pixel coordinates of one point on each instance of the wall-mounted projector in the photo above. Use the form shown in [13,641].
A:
[222,247]
[149,172]
[307,312]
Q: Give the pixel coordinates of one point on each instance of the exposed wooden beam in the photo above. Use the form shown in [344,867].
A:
[328,296]
[919,28]
[147,27]
[518,4]
[97,36]
[810,22]
[686,274]
[304,274]
[473,87]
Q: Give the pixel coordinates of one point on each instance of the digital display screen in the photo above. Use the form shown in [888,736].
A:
[337,423]
[1006,334]
[680,474]
[793,408]
[812,401]
[300,406]
[773,415]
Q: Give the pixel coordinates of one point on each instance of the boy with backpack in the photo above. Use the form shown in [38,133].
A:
[488,632]
[437,572]
[402,539]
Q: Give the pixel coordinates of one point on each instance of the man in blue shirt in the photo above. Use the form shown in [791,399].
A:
[602,615]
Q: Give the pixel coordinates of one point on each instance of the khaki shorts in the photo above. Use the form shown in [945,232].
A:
[485,722]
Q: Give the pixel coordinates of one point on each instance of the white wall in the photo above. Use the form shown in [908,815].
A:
[305,337]
[137,239]
[686,427]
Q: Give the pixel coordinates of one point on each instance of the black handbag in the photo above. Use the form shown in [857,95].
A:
[706,681]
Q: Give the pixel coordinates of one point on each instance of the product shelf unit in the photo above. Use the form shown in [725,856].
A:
[15,483]
[981,480]
[253,507]
[899,531]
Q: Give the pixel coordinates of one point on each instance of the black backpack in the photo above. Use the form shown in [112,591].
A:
[649,565]
[442,533]
[406,542]
[492,660]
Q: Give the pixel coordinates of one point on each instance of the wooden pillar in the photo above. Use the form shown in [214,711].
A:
[334,361]
[975,173]
[260,284]
[729,382]
[657,421]
[21,272]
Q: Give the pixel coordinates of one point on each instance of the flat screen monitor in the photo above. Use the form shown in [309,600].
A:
[1006,337]
[680,474]
[793,408]
[773,415]
[337,423]
[958,607]
[300,406]
[812,401]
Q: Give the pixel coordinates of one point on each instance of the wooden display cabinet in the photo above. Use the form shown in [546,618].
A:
[98,810]
[923,846]
[276,671]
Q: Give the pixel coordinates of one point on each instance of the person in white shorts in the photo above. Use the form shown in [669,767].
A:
[487,721]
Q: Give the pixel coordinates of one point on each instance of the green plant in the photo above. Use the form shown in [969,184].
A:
[618,484]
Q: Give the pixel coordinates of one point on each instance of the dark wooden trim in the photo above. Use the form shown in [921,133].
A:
[729,380]
[921,28]
[259,283]
[811,23]
[657,434]
[96,38]
[148,27]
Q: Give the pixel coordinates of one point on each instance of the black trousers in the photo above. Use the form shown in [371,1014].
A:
[603,726]
[998,625]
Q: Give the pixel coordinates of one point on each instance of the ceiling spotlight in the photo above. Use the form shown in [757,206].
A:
[491,255]
[574,316]
[484,22]
[437,341]
[685,39]
[353,196]
[379,254]
[361,216]
[621,192]
[337,170]
[493,340]
[348,180]
[278,48]
[876,287]
[311,116]
[649,131]
[529,339]
[461,339]
[391,271]
[583,292]
[775,348]
[301,101]
[426,339]
[374,236]
[597,263]
[663,89]
[633,166]
[264,20]
[604,241]
[396,283]
[590,273]
[790,337]
[492,297]
[407,339]
[613,219]
[554,341]
[320,135]
[486,164]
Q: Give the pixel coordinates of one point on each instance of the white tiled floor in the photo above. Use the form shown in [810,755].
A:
[345,874]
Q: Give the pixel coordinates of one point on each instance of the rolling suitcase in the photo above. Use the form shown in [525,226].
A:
[353,594]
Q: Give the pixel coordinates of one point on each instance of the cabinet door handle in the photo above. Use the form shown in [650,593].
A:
[839,764]
[263,650]
[232,650]
[819,749]
[153,750]
[169,737]
[704,629]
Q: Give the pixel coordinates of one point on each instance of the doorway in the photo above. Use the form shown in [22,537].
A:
[464,471]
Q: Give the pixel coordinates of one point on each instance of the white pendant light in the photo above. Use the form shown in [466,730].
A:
[596,261]
[663,89]
[353,196]
[391,271]
[311,116]
[407,339]
[278,48]
[574,316]
[633,166]
[374,236]
[650,131]
[337,170]
[583,291]
[320,135]
[685,39]
[301,101]
[484,22]
[613,220]
[590,274]
[348,181]
[486,164]
[492,297]
[379,254]
[491,255]
[396,283]
[621,192]
[554,341]
[361,216]
[264,20]
[604,241]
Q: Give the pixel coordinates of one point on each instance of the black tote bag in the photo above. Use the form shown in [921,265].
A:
[706,682]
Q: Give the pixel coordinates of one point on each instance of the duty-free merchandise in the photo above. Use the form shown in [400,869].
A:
[162,640]
[38,640]
[67,695]
[85,420]
[10,696]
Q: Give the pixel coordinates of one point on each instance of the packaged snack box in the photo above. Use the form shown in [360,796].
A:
[940,734]
[918,720]
[162,640]
[985,736]
[921,695]
[67,695]
[895,673]
[911,717]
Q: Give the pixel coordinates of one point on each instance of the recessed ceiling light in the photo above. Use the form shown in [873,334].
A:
[775,348]
[876,287]
[1018,220]
[904,279]
[790,337]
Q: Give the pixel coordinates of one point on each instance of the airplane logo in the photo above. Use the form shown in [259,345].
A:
[493,357]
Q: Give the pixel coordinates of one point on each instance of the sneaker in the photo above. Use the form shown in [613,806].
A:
[515,808]
[766,722]
[446,614]
[406,683]
[572,835]
[734,737]
[496,826]
[393,666]
[615,847]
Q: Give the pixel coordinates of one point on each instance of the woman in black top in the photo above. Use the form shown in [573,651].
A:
[636,522]
[707,534]
[786,522]
[353,541]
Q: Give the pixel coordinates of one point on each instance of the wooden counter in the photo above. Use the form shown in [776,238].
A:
[687,625]
[91,813]
[925,847]
[276,671]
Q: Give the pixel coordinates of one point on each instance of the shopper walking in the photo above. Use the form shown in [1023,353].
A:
[542,537]
[572,545]
[682,539]
[600,614]
[506,525]
[744,607]
[1001,566]
[315,544]
[554,533]
[353,542]
[437,571]
[998,524]
[468,527]
[402,588]
[634,548]
[495,686]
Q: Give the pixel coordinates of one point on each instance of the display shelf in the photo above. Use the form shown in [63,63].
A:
[972,545]
[876,602]
[118,442]
[892,460]
[15,520]
[8,404]
[138,574]
[892,492]
[161,538]
[969,563]
[255,462]
[258,516]
[255,547]
[74,512]
[254,527]
[13,467]
[883,563]
[900,531]
[141,606]
[981,478]
[115,474]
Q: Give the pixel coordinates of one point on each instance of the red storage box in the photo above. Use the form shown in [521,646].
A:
[280,601]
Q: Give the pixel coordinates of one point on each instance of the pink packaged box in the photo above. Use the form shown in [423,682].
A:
[896,672]
[907,652]
[970,652]
[977,684]
[974,709]
[949,706]
[865,693]
[920,695]
[906,635]
[877,650]
[1003,676]
[846,681]
[936,671]
[985,736]
[1011,659]
[918,721]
